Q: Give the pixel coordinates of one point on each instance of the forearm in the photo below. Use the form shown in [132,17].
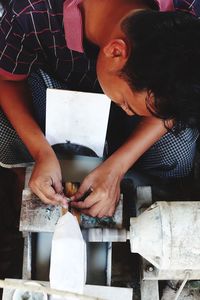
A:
[105,179]
[15,101]
[149,131]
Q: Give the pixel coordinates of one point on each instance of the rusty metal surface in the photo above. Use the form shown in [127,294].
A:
[39,217]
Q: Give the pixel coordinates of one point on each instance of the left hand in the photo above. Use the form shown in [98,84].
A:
[105,184]
[46,180]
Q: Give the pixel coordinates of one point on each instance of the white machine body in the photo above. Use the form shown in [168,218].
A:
[167,234]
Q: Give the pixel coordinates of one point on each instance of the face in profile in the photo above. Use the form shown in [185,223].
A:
[119,91]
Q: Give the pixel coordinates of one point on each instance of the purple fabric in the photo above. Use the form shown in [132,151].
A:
[166,5]
[191,6]
[73,25]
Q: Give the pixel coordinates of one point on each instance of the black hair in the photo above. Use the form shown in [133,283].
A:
[165,61]
[152,4]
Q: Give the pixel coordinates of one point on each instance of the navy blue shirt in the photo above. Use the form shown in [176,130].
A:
[32,36]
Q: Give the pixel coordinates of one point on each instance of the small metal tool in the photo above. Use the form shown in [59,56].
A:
[85,195]
[82,198]
[68,199]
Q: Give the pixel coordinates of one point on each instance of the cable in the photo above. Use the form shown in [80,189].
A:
[187,275]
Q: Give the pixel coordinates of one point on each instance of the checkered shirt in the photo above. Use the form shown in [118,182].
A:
[32,36]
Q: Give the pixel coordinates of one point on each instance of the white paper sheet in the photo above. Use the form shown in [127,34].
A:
[68,256]
[78,117]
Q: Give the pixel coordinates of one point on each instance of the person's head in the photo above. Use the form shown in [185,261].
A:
[155,64]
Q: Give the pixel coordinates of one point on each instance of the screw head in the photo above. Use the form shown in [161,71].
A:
[150,268]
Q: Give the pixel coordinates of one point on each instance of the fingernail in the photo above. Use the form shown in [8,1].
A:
[64,205]
[58,197]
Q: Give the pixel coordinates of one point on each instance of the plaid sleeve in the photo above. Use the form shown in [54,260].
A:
[191,6]
[16,57]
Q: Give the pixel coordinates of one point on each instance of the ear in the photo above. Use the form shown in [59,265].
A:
[118,51]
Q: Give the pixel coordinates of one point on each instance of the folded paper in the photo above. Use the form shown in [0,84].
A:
[68,256]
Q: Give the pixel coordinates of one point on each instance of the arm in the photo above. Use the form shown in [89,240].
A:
[15,101]
[105,179]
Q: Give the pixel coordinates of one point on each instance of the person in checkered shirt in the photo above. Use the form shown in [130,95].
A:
[147,63]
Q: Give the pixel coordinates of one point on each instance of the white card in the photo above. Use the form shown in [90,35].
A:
[78,117]
[68,256]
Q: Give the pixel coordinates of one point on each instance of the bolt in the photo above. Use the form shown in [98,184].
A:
[149,268]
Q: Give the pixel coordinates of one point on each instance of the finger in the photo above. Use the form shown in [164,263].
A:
[93,212]
[59,194]
[104,212]
[86,212]
[118,197]
[111,212]
[105,209]
[57,184]
[113,207]
[101,215]
[83,189]
[56,201]
[48,194]
[45,199]
[87,203]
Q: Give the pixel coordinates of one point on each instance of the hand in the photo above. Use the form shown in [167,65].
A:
[46,180]
[104,182]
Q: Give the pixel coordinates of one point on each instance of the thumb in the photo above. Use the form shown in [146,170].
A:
[58,186]
[81,192]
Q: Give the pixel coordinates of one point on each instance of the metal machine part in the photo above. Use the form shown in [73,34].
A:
[167,235]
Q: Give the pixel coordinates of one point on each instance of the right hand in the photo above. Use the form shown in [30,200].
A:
[46,180]
[105,184]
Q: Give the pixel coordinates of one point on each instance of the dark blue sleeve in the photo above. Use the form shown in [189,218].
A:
[191,6]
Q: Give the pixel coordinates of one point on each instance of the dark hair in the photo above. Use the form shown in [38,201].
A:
[152,4]
[165,61]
